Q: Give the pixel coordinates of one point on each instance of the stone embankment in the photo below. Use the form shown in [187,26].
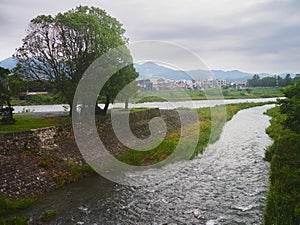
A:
[37,161]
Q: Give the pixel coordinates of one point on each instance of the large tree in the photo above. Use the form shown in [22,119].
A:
[60,49]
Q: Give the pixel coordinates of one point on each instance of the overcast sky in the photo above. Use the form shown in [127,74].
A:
[252,36]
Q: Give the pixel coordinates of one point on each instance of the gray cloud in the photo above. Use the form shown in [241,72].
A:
[254,35]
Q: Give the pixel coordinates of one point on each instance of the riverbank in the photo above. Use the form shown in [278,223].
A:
[247,93]
[227,184]
[283,201]
[28,122]
[159,96]
[142,158]
[44,160]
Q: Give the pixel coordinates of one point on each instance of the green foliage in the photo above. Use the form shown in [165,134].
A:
[19,220]
[78,171]
[60,48]
[6,115]
[47,214]
[284,194]
[256,81]
[118,81]
[18,84]
[8,206]
[283,201]
[36,99]
[4,89]
[290,106]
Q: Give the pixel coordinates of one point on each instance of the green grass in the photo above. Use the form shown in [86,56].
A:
[78,171]
[26,122]
[159,96]
[48,214]
[253,93]
[17,220]
[283,201]
[207,135]
[8,206]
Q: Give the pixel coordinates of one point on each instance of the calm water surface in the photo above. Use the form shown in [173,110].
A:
[161,105]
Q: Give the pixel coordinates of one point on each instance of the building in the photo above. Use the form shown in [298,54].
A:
[145,85]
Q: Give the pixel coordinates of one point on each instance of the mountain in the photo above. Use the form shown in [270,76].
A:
[151,70]
[233,75]
[8,63]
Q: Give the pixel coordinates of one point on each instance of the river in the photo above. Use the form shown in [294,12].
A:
[161,105]
[227,184]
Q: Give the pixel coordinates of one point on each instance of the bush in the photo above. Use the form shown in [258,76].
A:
[40,98]
[282,205]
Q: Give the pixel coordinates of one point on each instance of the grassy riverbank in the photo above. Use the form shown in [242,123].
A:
[158,96]
[283,202]
[169,144]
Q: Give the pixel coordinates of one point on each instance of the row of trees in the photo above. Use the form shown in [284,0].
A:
[275,81]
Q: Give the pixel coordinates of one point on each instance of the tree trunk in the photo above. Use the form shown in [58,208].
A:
[106,104]
[10,109]
[126,104]
[103,111]
[71,108]
[98,110]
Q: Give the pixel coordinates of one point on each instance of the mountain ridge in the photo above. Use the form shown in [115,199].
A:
[151,70]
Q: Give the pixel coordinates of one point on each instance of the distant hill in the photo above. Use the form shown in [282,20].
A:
[234,75]
[8,63]
[151,70]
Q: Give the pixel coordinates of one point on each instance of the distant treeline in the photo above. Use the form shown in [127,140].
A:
[275,81]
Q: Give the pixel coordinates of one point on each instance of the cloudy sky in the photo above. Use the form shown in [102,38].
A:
[252,36]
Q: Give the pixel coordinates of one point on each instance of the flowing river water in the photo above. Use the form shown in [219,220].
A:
[227,184]
[162,105]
